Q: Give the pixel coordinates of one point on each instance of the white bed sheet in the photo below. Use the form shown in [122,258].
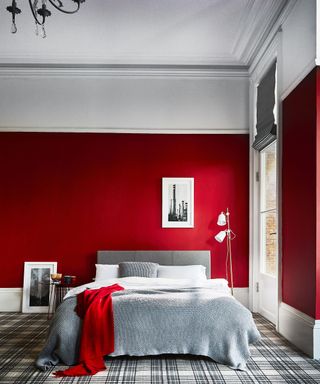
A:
[218,285]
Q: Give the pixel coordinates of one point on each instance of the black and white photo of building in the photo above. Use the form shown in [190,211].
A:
[178,204]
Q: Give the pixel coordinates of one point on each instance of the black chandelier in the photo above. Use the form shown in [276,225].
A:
[40,12]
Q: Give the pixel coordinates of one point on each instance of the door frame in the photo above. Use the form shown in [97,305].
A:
[272,53]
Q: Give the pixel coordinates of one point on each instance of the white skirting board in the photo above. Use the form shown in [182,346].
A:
[242,295]
[300,329]
[11,298]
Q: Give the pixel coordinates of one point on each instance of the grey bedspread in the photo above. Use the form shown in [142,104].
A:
[151,322]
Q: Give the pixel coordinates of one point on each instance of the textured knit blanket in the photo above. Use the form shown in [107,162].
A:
[152,322]
[94,306]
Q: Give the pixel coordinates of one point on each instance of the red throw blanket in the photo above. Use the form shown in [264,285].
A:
[94,306]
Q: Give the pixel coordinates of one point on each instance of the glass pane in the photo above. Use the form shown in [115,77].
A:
[269,242]
[269,178]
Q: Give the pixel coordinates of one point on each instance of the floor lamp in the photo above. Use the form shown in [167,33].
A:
[224,219]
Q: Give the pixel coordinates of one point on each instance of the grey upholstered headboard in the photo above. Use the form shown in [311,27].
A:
[161,257]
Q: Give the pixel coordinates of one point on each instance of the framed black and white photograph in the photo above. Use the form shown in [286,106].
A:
[36,285]
[177,202]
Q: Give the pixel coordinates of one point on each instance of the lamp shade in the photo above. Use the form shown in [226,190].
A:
[222,219]
[220,236]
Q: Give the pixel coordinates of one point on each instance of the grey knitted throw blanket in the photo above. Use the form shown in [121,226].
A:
[165,321]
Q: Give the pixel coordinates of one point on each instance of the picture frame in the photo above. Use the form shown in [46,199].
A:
[36,286]
[177,202]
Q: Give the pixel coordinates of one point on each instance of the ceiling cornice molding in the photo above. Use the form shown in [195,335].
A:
[245,31]
[258,34]
[269,39]
[204,131]
[240,41]
[103,60]
[165,71]
[253,36]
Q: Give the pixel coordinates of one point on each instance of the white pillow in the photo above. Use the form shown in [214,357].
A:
[106,271]
[194,272]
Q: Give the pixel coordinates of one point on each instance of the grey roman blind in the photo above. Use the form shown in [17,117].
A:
[266,127]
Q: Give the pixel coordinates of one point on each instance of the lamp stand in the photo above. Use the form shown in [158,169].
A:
[229,250]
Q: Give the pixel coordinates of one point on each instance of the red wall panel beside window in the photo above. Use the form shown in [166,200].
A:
[299,197]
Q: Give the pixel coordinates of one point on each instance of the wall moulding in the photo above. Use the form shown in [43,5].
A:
[173,131]
[165,71]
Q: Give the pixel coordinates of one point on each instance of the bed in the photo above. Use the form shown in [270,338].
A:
[154,316]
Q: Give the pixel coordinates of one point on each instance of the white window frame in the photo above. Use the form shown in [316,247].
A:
[257,70]
[263,210]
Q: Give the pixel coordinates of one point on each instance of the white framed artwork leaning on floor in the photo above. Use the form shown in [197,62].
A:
[36,285]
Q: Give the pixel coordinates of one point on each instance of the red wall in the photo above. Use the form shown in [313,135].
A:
[64,196]
[299,197]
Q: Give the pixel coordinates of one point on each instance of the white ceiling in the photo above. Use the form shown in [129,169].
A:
[143,32]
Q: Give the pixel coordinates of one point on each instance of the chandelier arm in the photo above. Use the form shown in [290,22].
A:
[34,14]
[62,10]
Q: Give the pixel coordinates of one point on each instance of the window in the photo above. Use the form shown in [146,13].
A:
[268,210]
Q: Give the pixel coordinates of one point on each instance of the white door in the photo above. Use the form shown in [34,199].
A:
[267,285]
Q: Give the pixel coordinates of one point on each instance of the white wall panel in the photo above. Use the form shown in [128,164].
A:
[10,299]
[298,44]
[124,102]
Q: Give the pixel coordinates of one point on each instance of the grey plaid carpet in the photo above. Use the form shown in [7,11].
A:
[273,360]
